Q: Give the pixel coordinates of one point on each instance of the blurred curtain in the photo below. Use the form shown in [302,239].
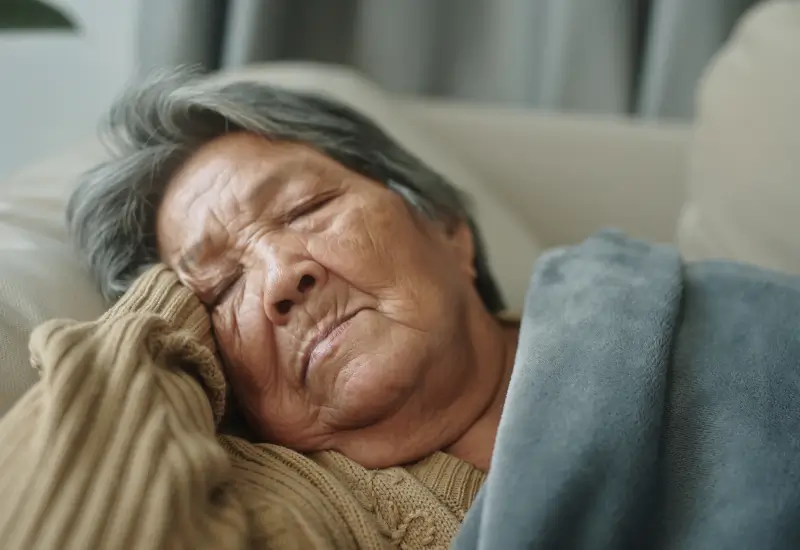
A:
[617,56]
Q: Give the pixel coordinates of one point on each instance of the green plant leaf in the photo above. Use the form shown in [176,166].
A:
[31,15]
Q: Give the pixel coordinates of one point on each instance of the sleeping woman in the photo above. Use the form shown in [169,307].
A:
[307,349]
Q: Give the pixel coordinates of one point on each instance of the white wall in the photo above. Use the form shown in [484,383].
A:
[54,87]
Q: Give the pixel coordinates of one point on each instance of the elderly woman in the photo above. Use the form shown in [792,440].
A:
[278,251]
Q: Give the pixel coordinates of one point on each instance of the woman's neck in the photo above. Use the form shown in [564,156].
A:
[476,444]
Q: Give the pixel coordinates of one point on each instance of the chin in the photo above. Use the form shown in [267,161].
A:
[369,396]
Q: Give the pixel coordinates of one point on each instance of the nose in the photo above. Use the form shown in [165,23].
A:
[291,280]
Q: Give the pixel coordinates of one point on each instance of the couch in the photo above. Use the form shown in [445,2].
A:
[725,186]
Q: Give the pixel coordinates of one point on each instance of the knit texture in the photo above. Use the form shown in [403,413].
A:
[116,447]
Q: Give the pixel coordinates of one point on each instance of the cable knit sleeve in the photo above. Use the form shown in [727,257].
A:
[115,446]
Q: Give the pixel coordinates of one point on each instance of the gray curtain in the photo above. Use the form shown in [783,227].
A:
[606,56]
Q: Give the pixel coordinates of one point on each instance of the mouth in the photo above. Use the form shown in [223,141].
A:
[320,344]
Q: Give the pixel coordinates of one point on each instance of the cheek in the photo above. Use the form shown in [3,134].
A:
[372,244]
[257,374]
[247,344]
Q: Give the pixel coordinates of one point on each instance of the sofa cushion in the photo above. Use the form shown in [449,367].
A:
[744,178]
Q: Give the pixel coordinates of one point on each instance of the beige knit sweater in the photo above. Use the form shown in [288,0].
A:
[116,447]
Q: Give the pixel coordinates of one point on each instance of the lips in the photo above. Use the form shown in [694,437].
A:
[328,333]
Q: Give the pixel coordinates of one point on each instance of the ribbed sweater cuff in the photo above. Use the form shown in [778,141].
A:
[159,292]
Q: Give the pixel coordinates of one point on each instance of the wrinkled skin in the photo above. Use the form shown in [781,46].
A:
[283,243]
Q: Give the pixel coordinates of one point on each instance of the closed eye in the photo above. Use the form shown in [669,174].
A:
[309,207]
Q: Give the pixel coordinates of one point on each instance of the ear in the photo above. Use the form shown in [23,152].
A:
[460,239]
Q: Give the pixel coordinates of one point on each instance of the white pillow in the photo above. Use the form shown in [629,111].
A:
[40,277]
[744,196]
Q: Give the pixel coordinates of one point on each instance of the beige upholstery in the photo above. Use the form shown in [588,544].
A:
[39,274]
[744,177]
[570,176]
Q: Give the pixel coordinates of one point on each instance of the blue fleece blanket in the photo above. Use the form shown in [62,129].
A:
[654,404]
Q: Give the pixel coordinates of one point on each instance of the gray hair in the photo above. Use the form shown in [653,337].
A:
[155,126]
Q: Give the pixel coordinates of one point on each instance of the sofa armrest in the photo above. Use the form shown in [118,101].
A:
[570,175]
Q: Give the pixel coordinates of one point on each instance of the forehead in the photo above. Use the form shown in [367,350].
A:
[240,165]
[242,160]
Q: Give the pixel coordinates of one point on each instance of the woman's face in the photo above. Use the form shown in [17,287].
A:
[340,314]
